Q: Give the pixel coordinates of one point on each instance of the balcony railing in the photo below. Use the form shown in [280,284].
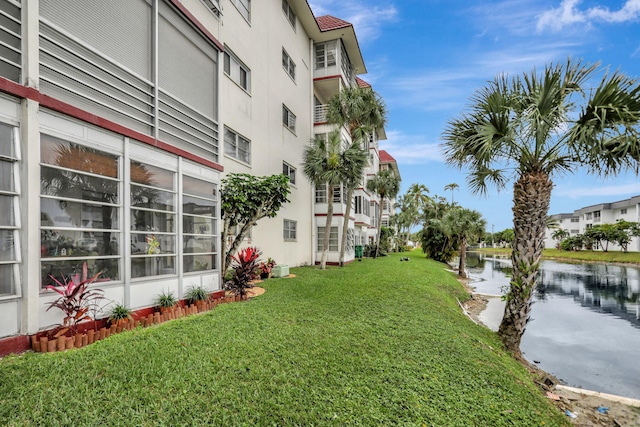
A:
[320,114]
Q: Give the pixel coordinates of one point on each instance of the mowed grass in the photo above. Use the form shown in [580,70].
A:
[377,343]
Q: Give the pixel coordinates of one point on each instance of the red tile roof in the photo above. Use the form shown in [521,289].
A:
[362,83]
[386,157]
[328,23]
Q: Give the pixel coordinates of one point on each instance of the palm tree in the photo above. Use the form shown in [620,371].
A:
[538,126]
[463,225]
[386,185]
[452,186]
[325,163]
[322,165]
[361,111]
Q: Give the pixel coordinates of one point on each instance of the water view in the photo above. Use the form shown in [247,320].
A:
[585,323]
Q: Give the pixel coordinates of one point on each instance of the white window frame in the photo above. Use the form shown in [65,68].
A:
[290,230]
[213,6]
[233,68]
[237,141]
[289,171]
[333,239]
[288,119]
[289,13]
[288,64]
[10,235]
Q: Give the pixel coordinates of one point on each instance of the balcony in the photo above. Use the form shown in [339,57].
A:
[320,114]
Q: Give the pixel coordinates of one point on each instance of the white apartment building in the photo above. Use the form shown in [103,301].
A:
[604,213]
[118,121]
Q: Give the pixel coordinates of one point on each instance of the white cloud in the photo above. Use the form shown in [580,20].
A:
[411,149]
[568,13]
[622,189]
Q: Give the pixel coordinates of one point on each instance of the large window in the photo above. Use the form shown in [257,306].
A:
[237,71]
[325,54]
[9,215]
[153,221]
[237,146]
[80,228]
[289,171]
[333,239]
[199,207]
[288,118]
[289,230]
[289,13]
[288,64]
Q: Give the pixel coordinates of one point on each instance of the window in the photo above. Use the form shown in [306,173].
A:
[288,118]
[574,231]
[288,12]
[361,205]
[288,64]
[289,230]
[623,211]
[325,54]
[9,217]
[333,239]
[199,207]
[575,219]
[588,215]
[290,171]
[596,216]
[237,71]
[153,221]
[236,146]
[244,7]
[80,202]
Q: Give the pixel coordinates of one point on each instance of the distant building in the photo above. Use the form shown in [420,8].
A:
[604,213]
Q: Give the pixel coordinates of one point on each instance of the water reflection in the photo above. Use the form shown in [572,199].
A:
[585,321]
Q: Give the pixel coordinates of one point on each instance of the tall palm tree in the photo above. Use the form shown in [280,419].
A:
[361,111]
[452,186]
[463,225]
[538,126]
[322,165]
[325,163]
[386,185]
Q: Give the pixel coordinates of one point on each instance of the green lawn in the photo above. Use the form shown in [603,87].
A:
[378,343]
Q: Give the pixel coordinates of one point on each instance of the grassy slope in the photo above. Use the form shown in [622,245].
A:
[381,342]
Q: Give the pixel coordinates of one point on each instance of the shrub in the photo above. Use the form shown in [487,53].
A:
[245,264]
[119,312]
[196,293]
[166,300]
[75,300]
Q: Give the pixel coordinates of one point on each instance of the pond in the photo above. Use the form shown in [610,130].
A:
[585,321]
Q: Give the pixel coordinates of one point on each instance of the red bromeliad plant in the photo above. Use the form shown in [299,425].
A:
[76,299]
[245,264]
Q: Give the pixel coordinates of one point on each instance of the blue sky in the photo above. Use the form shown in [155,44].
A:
[426,58]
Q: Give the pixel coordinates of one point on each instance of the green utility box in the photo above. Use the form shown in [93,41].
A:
[280,271]
[359,251]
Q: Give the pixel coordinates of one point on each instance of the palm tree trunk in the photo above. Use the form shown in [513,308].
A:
[463,257]
[327,228]
[379,230]
[345,226]
[531,196]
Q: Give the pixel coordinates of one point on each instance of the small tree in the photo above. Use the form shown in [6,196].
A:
[245,200]
[386,185]
[559,235]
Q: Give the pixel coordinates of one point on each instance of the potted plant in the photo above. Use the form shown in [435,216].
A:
[166,300]
[244,265]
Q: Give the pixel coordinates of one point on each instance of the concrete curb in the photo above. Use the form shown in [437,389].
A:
[612,397]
